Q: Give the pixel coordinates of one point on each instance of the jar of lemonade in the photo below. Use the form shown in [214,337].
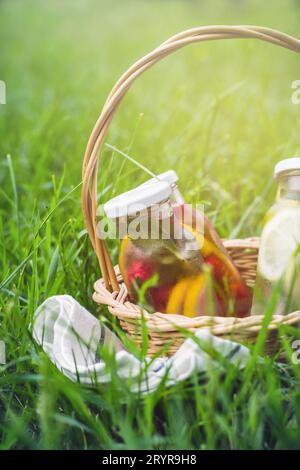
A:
[278,261]
[229,294]
[155,246]
[185,285]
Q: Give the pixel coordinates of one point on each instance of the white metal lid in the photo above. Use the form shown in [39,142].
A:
[137,199]
[170,177]
[289,164]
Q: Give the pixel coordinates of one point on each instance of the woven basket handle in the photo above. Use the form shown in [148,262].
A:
[97,137]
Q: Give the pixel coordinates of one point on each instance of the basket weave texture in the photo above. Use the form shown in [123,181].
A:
[110,290]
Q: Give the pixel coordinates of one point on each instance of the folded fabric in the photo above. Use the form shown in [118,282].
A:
[71,336]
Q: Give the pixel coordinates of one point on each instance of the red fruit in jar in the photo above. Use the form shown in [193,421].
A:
[139,270]
[218,266]
[242,299]
[222,305]
[159,297]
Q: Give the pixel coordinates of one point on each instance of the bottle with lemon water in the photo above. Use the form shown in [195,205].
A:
[279,261]
[195,275]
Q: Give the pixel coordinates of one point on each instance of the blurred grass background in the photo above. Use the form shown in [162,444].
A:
[220,113]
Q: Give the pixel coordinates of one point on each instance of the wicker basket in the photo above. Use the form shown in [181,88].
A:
[110,290]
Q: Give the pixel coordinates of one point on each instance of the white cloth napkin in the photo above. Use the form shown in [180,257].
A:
[71,336]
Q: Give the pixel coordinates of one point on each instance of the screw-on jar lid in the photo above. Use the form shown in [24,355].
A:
[290,164]
[137,199]
[170,177]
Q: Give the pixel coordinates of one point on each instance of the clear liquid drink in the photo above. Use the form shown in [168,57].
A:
[278,271]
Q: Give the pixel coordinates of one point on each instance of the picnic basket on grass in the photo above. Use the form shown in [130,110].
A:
[110,290]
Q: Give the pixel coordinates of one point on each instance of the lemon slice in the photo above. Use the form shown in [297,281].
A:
[176,298]
[279,240]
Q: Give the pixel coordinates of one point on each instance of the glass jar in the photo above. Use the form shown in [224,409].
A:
[156,248]
[184,285]
[278,269]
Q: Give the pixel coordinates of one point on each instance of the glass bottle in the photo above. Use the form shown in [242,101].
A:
[278,269]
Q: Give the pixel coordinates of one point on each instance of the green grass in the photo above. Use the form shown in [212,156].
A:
[221,115]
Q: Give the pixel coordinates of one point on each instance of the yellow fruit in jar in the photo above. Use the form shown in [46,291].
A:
[192,296]
[176,297]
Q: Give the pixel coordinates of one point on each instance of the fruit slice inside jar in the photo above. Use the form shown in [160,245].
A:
[196,296]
